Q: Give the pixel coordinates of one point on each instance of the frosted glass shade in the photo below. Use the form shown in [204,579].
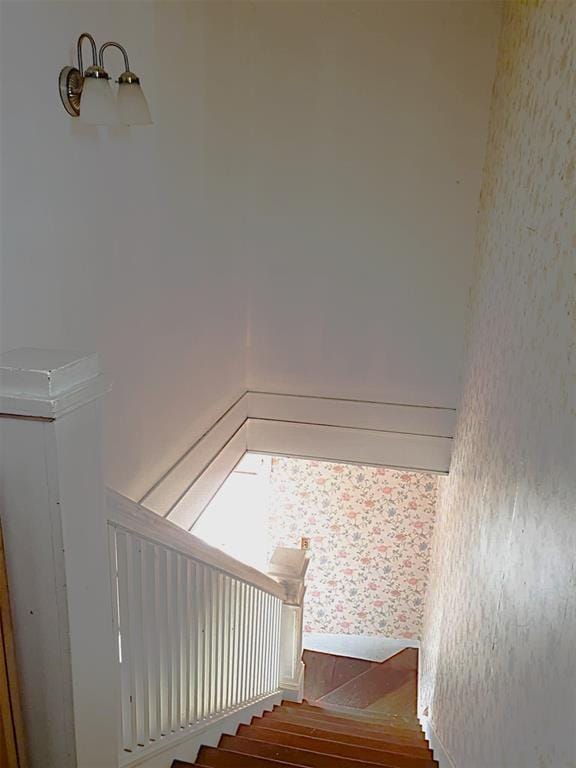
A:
[97,103]
[132,105]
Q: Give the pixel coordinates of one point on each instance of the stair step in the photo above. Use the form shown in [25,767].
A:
[368,715]
[377,720]
[330,740]
[348,726]
[339,736]
[318,752]
[225,758]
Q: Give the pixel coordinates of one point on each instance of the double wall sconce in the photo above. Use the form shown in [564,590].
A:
[87,94]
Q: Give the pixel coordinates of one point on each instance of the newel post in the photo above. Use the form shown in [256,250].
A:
[54,521]
[288,566]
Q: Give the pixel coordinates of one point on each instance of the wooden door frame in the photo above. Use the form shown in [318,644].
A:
[11,722]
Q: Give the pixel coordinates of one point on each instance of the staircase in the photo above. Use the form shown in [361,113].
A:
[362,713]
[307,735]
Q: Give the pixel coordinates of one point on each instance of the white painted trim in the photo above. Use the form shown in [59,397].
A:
[348,444]
[46,384]
[295,691]
[440,753]
[359,414]
[54,408]
[410,437]
[207,734]
[201,492]
[167,493]
[368,647]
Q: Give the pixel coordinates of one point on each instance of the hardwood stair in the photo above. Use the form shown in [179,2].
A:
[309,736]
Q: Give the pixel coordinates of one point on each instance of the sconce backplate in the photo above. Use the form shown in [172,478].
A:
[70,83]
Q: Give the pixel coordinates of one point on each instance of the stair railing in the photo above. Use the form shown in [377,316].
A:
[200,635]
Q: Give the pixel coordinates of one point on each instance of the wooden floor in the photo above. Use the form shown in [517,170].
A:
[388,687]
[359,714]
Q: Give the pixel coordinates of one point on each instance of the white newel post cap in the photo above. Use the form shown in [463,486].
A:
[289,566]
[43,383]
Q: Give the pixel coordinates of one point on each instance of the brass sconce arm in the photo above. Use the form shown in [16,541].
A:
[86,36]
[71,79]
[127,76]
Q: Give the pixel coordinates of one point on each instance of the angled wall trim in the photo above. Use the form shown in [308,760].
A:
[167,493]
[402,436]
[360,414]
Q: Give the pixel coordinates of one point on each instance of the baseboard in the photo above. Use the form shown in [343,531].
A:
[206,736]
[440,754]
[368,647]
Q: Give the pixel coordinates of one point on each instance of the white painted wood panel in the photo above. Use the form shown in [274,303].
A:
[391,434]
[390,417]
[348,445]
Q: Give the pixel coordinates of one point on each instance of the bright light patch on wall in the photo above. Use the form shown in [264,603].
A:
[236,520]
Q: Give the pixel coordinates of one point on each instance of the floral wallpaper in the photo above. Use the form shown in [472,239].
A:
[498,674]
[370,531]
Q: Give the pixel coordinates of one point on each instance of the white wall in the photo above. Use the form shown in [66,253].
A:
[116,241]
[499,668]
[323,156]
[360,169]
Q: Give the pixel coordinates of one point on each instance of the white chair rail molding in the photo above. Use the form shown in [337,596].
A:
[87,94]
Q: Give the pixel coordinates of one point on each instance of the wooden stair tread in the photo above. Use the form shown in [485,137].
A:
[333,750]
[225,758]
[368,715]
[339,736]
[308,755]
[399,722]
[347,726]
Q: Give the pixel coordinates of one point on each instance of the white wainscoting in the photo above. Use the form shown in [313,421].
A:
[396,435]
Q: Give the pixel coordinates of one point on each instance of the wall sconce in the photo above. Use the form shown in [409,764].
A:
[88,95]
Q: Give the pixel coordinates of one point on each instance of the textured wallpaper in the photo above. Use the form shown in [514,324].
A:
[370,530]
[499,642]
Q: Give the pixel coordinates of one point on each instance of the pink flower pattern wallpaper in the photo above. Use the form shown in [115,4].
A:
[370,531]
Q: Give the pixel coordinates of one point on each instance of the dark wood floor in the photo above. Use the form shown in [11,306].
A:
[386,687]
